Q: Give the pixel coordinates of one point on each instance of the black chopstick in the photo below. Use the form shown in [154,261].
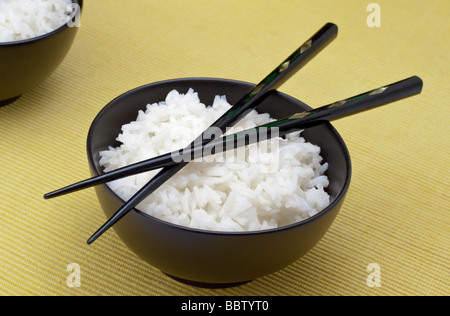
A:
[248,102]
[282,127]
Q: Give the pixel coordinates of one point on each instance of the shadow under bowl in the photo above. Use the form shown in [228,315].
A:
[209,258]
[27,63]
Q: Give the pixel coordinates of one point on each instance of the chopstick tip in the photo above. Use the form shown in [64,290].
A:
[91,239]
[51,195]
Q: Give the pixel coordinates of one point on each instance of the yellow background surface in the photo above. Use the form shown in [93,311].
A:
[396,213]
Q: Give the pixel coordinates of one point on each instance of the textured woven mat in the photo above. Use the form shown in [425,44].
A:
[396,214]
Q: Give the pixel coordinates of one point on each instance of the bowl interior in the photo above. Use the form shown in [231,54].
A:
[122,110]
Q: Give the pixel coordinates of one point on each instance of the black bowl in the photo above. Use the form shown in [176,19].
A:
[27,63]
[210,258]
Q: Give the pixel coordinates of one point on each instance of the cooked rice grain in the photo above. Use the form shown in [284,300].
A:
[232,195]
[25,19]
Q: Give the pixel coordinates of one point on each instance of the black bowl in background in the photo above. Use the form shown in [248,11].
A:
[209,258]
[27,63]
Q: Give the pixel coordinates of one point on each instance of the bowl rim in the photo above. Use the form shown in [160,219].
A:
[304,222]
[40,37]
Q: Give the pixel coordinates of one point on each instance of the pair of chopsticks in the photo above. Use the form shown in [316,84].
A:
[175,161]
[279,128]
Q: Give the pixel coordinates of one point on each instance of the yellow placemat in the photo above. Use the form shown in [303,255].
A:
[396,214]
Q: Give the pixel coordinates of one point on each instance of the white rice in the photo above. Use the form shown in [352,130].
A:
[235,195]
[25,19]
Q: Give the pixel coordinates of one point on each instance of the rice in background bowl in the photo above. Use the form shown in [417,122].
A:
[26,63]
[25,19]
